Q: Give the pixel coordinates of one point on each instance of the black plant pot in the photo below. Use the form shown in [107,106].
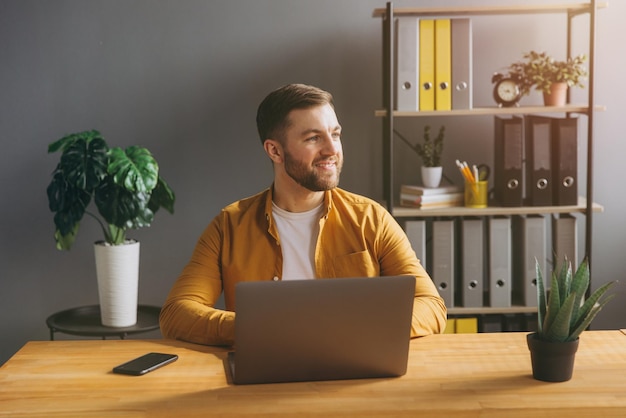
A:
[552,361]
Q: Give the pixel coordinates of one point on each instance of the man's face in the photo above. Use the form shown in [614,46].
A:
[313,155]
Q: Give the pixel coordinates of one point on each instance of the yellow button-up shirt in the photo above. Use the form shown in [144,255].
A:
[357,237]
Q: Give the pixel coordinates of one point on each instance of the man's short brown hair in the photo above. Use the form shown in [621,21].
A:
[272,114]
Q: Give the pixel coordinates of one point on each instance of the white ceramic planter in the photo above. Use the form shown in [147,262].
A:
[431,176]
[117,268]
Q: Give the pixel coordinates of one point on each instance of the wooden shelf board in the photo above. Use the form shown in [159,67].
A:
[408,212]
[488,310]
[488,111]
[574,8]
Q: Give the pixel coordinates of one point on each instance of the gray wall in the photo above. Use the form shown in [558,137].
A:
[184,78]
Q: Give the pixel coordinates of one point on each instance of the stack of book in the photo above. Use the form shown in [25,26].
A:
[430,197]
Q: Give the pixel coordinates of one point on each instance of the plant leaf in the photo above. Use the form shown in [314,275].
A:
[66,141]
[591,302]
[580,284]
[64,242]
[162,197]
[123,208]
[84,162]
[67,202]
[541,297]
[134,169]
[588,318]
[559,329]
[565,280]
[554,304]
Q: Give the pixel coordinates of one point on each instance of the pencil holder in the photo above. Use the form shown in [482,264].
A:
[476,194]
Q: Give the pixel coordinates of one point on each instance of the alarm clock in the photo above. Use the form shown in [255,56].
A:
[507,90]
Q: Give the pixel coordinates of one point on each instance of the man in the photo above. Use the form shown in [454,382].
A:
[302,227]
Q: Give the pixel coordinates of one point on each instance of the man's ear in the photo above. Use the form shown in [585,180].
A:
[274,150]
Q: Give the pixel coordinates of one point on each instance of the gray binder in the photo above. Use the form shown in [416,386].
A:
[500,268]
[443,259]
[416,232]
[529,247]
[564,240]
[407,53]
[461,43]
[472,255]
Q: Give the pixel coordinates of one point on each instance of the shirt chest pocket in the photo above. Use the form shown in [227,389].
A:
[356,265]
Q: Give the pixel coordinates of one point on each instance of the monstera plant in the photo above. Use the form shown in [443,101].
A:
[126,189]
[124,185]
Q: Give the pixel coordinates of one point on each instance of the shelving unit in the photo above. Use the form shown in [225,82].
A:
[585,205]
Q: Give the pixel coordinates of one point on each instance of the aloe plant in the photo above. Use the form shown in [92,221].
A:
[565,313]
[124,184]
[430,150]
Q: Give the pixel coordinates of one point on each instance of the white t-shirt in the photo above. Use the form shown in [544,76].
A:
[298,236]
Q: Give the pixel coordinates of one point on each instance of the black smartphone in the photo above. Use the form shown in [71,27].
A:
[144,364]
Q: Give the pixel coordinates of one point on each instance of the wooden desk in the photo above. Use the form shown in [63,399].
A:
[466,375]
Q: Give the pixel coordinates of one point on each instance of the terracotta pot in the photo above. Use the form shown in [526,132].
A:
[551,361]
[557,95]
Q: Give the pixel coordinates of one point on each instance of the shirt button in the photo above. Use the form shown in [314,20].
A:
[275,278]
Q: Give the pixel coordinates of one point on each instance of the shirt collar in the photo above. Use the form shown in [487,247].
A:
[328,203]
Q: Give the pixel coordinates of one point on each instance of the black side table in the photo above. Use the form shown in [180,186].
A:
[86,321]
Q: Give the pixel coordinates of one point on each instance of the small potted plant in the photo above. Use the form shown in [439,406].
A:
[127,190]
[430,151]
[551,77]
[561,318]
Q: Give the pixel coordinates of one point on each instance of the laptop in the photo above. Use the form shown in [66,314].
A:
[324,329]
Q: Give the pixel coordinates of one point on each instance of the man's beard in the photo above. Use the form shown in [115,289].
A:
[308,178]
